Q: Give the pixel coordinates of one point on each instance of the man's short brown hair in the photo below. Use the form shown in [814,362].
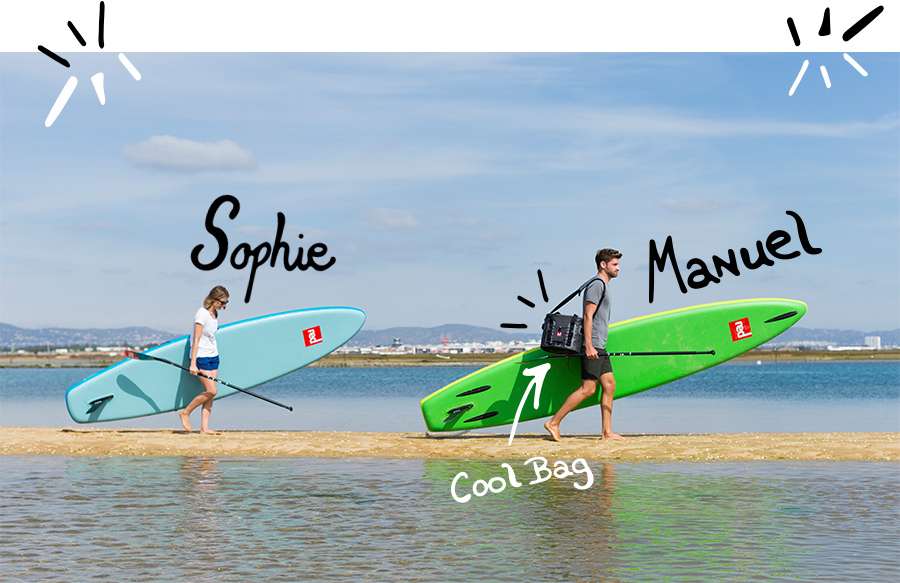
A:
[605,256]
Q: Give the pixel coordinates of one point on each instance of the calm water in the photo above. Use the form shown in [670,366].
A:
[735,397]
[236,519]
[187,519]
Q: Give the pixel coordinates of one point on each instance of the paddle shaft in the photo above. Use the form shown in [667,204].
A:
[682,353]
[142,356]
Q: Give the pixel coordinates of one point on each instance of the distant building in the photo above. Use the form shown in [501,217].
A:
[846,348]
[873,342]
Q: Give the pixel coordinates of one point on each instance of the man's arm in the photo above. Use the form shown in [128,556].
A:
[589,350]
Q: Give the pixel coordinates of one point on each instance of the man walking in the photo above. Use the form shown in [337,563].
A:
[595,364]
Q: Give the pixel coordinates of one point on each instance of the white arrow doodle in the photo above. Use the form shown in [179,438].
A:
[538,372]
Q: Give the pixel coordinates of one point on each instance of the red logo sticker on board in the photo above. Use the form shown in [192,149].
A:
[312,336]
[740,329]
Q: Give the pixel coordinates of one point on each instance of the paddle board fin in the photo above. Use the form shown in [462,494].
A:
[97,403]
[454,413]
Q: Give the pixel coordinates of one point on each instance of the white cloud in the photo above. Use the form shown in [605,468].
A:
[171,153]
[389,219]
[422,163]
[695,204]
[656,120]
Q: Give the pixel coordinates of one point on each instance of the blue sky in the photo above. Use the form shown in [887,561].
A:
[441,182]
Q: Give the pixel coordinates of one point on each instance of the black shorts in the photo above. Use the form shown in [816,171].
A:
[592,368]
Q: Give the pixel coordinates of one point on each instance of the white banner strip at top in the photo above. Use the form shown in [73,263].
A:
[452,25]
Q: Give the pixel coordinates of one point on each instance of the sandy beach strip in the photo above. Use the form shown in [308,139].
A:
[348,444]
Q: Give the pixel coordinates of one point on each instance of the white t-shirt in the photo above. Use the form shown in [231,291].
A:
[207,346]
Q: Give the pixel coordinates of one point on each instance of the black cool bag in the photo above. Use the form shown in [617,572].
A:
[565,334]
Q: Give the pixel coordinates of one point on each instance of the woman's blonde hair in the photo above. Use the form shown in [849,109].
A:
[216,293]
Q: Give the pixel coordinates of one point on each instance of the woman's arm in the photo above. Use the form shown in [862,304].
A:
[195,345]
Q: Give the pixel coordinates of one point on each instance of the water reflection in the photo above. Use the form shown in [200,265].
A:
[221,519]
[643,526]
[198,525]
[580,536]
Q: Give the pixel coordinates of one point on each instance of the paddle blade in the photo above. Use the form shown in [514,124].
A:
[136,355]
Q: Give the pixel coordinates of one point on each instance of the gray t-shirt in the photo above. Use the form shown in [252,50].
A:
[600,325]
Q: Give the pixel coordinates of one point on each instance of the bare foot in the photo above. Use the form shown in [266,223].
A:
[209,432]
[613,436]
[553,430]
[185,420]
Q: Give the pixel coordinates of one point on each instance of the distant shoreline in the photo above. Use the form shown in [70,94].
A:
[94,360]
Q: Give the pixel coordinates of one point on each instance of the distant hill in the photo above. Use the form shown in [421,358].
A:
[457,333]
[822,337]
[14,337]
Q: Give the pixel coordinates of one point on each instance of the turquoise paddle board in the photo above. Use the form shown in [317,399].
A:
[251,351]
[492,396]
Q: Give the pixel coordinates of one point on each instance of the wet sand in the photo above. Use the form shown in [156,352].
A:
[347,444]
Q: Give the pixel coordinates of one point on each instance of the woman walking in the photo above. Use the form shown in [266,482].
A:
[205,357]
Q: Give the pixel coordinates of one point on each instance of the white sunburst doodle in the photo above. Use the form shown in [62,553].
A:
[538,373]
[825,30]
[72,82]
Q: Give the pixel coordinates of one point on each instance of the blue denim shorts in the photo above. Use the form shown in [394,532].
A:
[208,362]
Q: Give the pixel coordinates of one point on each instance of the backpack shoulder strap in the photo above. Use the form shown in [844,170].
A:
[578,292]
[602,295]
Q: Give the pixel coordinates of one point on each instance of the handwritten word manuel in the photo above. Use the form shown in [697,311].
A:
[244,255]
[701,276]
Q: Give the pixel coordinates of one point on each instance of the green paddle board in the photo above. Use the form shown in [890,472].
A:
[492,396]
